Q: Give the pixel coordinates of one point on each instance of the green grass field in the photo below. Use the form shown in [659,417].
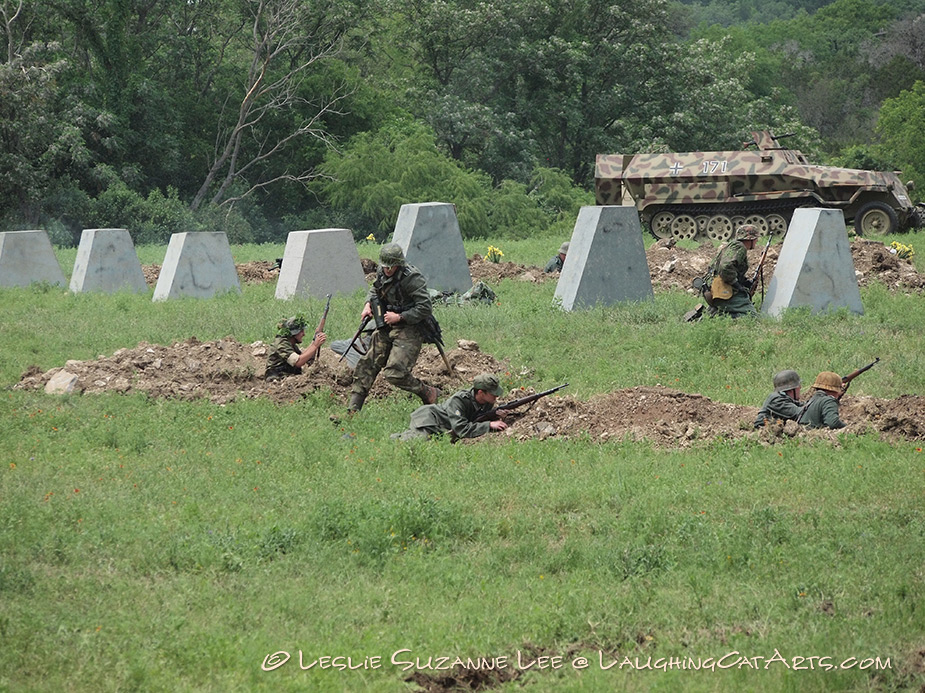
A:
[154,545]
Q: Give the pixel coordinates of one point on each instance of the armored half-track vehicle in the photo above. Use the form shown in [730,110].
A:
[710,194]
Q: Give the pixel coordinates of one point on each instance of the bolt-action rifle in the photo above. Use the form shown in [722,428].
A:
[514,404]
[359,348]
[846,379]
[759,273]
[845,382]
[320,328]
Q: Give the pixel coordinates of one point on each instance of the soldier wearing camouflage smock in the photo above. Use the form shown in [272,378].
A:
[285,357]
[459,413]
[402,293]
[821,411]
[784,403]
[731,265]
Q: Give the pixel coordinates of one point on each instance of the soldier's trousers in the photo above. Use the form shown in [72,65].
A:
[736,306]
[393,351]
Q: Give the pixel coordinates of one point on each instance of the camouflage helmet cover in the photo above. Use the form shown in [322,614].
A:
[293,325]
[787,380]
[391,255]
[488,383]
[564,248]
[827,380]
[747,232]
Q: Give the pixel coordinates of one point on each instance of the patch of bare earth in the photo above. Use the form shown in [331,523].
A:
[225,370]
[674,267]
[669,267]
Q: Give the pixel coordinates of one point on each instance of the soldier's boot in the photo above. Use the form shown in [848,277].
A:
[430,394]
[356,403]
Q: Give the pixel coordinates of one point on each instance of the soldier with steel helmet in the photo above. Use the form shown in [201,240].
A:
[400,291]
[821,411]
[458,415]
[784,403]
[731,288]
[555,264]
[285,357]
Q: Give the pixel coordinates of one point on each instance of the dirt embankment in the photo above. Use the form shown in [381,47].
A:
[669,266]
[226,370]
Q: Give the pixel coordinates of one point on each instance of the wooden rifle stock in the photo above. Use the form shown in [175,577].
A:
[758,273]
[514,404]
[846,379]
[320,328]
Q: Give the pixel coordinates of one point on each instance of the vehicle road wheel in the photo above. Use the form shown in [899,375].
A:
[719,227]
[777,225]
[702,221]
[684,227]
[660,224]
[737,221]
[875,218]
[759,222]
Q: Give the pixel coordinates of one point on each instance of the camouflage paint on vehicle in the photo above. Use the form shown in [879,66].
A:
[710,194]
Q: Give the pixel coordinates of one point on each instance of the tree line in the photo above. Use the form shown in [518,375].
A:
[260,117]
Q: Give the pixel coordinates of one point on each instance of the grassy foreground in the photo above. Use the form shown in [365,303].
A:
[164,546]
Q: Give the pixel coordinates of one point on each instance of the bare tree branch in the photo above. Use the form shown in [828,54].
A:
[283,50]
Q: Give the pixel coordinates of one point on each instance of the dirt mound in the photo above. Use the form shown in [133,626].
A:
[669,267]
[493,272]
[225,370]
[256,272]
[674,267]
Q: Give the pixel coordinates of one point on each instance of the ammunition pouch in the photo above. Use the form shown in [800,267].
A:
[720,289]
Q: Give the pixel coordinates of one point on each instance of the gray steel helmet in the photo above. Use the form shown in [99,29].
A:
[786,380]
[391,255]
[747,232]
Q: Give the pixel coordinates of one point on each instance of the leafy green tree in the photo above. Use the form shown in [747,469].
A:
[902,132]
[38,153]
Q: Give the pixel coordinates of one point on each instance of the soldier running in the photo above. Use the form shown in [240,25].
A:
[401,291]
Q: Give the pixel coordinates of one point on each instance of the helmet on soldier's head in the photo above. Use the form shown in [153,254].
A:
[295,324]
[747,232]
[564,248]
[391,255]
[786,380]
[827,380]
[488,383]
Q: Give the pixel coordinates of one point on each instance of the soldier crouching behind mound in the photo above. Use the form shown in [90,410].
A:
[821,411]
[459,413]
[401,291]
[784,403]
[285,357]
[731,267]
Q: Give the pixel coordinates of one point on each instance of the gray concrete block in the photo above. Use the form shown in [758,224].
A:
[814,267]
[320,262]
[198,265]
[606,261]
[107,261]
[428,233]
[27,257]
